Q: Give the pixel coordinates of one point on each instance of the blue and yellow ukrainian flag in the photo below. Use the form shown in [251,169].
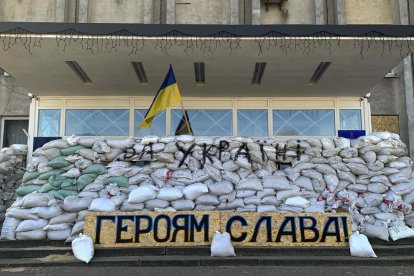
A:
[168,95]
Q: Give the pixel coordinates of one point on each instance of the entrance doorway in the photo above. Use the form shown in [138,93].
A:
[12,131]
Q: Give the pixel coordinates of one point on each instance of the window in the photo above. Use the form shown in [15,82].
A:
[49,123]
[310,122]
[252,122]
[157,127]
[350,119]
[90,122]
[210,122]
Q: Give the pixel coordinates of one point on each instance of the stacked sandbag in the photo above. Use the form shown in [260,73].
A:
[12,164]
[371,177]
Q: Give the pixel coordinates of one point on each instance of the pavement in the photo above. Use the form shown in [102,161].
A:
[206,270]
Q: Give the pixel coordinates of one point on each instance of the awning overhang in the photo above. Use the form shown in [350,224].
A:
[360,55]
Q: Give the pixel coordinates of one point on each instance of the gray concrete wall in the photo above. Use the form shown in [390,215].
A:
[202,12]
[290,12]
[32,10]
[369,11]
[116,11]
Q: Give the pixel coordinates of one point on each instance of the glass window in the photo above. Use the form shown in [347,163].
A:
[209,122]
[157,127]
[49,123]
[252,122]
[305,122]
[90,122]
[350,119]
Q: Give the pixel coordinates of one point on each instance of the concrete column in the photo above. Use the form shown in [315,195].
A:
[83,11]
[409,101]
[60,10]
[320,12]
[148,11]
[256,12]
[234,12]
[340,12]
[402,17]
[170,17]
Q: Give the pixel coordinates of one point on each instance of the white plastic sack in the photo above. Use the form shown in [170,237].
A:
[170,194]
[400,231]
[297,201]
[102,205]
[9,227]
[142,194]
[82,248]
[194,190]
[29,225]
[221,245]
[38,234]
[360,246]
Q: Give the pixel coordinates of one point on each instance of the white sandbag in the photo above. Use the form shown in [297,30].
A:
[281,195]
[221,245]
[252,184]
[57,227]
[207,199]
[156,203]
[75,204]
[72,173]
[403,188]
[142,194]
[130,207]
[29,225]
[276,182]
[266,208]
[121,144]
[183,204]
[35,200]
[58,235]
[38,234]
[220,188]
[297,201]
[60,144]
[360,246]
[400,231]
[78,228]
[82,248]
[118,199]
[102,205]
[376,231]
[398,178]
[270,200]
[170,194]
[317,207]
[47,212]
[64,218]
[194,190]
[19,213]
[9,227]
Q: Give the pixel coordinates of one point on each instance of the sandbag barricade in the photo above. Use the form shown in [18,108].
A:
[370,176]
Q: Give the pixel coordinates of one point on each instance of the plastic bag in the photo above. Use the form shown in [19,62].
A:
[82,248]
[221,245]
[360,246]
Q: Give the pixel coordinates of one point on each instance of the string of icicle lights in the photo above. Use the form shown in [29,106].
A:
[287,44]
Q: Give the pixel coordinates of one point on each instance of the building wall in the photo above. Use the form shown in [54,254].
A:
[32,10]
[369,12]
[119,11]
[202,12]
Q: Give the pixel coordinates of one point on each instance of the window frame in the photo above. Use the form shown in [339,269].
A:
[233,103]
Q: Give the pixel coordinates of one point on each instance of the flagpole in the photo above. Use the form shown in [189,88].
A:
[186,119]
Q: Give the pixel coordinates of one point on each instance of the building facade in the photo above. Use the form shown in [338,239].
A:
[113,104]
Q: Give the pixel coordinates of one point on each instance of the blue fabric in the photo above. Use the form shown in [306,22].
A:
[38,142]
[351,134]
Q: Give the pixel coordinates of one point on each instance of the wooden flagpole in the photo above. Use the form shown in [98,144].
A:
[186,119]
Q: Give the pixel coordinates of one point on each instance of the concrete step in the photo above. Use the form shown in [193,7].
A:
[44,251]
[26,244]
[194,261]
